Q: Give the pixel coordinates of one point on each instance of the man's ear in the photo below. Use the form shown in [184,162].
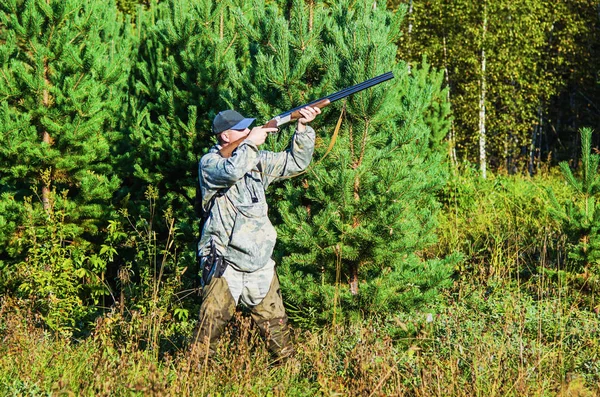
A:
[224,137]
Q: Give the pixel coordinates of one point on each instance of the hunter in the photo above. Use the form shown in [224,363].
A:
[237,238]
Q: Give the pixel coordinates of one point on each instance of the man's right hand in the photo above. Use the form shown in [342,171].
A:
[258,135]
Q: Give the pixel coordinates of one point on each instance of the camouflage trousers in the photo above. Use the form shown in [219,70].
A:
[260,292]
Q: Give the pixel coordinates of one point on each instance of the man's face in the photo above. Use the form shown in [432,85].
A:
[234,135]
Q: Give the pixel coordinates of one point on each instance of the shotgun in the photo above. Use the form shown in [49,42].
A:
[294,114]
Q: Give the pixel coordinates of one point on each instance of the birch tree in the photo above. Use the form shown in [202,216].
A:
[482,93]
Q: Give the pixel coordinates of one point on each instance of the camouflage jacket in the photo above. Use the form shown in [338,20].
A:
[238,224]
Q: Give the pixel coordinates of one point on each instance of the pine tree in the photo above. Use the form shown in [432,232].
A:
[63,69]
[188,55]
[63,73]
[361,215]
[262,60]
[581,217]
[286,68]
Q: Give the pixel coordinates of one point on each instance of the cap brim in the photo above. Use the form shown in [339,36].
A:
[242,125]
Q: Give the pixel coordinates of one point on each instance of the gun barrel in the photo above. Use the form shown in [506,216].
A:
[345,92]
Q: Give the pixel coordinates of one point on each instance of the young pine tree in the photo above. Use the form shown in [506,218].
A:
[354,226]
[63,78]
[189,51]
[581,217]
[286,67]
[63,68]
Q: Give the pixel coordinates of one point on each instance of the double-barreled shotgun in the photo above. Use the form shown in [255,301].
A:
[294,114]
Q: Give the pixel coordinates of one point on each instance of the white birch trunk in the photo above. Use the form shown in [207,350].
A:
[45,135]
[451,135]
[409,34]
[482,133]
[410,10]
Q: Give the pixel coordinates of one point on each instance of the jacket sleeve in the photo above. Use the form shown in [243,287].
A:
[216,172]
[291,161]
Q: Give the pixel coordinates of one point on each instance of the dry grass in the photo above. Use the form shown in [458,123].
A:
[494,345]
[507,328]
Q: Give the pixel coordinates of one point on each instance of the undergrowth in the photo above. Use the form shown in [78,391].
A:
[507,327]
[499,343]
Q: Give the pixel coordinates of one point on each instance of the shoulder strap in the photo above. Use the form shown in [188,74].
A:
[198,201]
[200,213]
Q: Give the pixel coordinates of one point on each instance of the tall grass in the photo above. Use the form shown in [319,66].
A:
[502,225]
[506,328]
[494,344]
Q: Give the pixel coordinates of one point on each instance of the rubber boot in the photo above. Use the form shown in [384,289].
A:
[272,321]
[218,307]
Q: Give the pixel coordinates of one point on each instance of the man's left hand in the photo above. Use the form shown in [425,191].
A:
[308,114]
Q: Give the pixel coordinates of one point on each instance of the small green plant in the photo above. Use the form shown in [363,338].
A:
[580,216]
[150,294]
[57,276]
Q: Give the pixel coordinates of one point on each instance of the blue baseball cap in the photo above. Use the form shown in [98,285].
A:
[230,120]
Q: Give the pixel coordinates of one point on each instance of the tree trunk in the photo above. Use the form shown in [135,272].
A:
[311,12]
[354,279]
[451,135]
[221,26]
[482,132]
[46,137]
[409,34]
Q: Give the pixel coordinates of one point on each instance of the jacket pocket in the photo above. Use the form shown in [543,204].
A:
[252,239]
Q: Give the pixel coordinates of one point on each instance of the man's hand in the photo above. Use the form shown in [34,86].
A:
[308,114]
[258,135]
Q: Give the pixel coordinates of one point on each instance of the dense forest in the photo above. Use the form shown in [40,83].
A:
[446,242]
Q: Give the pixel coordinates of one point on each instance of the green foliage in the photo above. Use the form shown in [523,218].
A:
[131,6]
[532,74]
[503,226]
[187,58]
[498,342]
[286,64]
[366,215]
[517,228]
[63,66]
[57,278]
[580,216]
[364,212]
[198,58]
[187,52]
[149,278]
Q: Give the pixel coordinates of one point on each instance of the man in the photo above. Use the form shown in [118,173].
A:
[237,239]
